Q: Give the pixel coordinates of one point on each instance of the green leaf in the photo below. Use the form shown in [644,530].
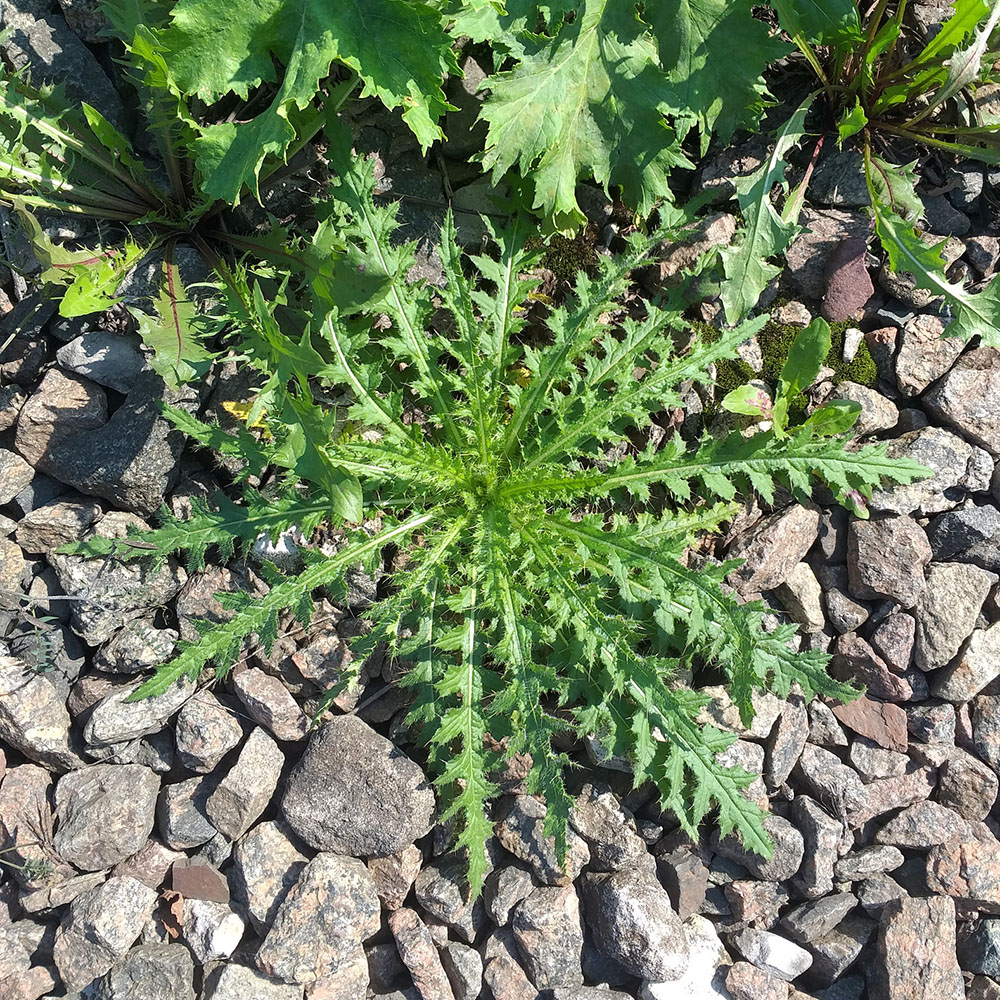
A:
[826,22]
[749,399]
[398,48]
[835,417]
[852,120]
[976,315]
[805,358]
[714,53]
[311,431]
[592,101]
[175,332]
[95,283]
[537,575]
[929,70]
[895,187]
[746,265]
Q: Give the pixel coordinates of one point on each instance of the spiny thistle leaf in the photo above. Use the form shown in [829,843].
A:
[522,610]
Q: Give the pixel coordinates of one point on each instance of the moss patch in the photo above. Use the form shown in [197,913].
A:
[566,257]
[775,341]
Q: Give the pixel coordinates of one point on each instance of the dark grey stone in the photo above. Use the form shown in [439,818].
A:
[133,459]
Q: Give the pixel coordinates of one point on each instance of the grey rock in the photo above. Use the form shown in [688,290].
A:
[786,741]
[982,252]
[394,876]
[464,967]
[866,862]
[12,567]
[205,731]
[986,729]
[11,401]
[549,936]
[212,930]
[61,407]
[33,717]
[705,974]
[874,892]
[86,18]
[822,837]
[844,613]
[114,718]
[931,723]
[968,182]
[980,951]
[588,993]
[969,534]
[416,948]
[269,703]
[520,830]
[99,928]
[916,946]
[966,398]
[633,923]
[105,813]
[828,780]
[150,972]
[466,135]
[355,792]
[266,864]
[182,813]
[947,610]
[133,459]
[810,921]
[137,647]
[877,412]
[872,761]
[112,360]
[21,329]
[772,953]
[946,454]
[26,827]
[608,828]
[52,525]
[886,558]
[246,789]
[40,491]
[802,597]
[943,219]
[924,825]
[968,786]
[230,981]
[321,922]
[116,592]
[48,49]
[441,890]
[772,547]
[839,181]
[502,972]
[838,949]
[893,640]
[15,474]
[503,889]
[977,665]
[784,862]
[925,354]
[49,898]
